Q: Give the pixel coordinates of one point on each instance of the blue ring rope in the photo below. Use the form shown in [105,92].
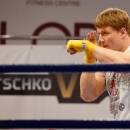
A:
[5,124]
[33,124]
[64,68]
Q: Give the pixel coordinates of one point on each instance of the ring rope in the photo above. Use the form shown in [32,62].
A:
[82,124]
[64,68]
[95,124]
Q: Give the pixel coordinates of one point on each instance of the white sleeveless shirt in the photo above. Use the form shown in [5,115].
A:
[118,87]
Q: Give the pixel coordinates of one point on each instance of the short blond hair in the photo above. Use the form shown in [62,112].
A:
[113,17]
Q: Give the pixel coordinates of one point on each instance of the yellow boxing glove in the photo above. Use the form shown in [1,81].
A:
[83,45]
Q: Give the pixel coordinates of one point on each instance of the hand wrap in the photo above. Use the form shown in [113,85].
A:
[83,45]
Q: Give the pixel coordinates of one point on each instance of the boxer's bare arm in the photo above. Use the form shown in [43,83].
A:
[92,85]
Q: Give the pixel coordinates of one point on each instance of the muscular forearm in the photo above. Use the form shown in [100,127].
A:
[92,85]
[107,55]
[88,86]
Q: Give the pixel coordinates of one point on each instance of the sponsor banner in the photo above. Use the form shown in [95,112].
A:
[47,96]
[64,86]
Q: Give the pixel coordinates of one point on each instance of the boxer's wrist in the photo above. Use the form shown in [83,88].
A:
[89,60]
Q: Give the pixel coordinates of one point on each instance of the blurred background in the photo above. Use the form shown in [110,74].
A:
[47,95]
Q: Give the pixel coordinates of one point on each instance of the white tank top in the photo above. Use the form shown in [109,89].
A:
[118,87]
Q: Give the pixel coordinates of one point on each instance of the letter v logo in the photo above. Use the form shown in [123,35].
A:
[67,91]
